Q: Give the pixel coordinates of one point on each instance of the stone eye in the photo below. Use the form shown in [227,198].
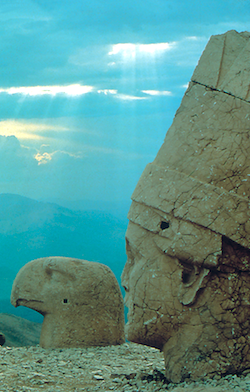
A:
[186,277]
[65,301]
[164,225]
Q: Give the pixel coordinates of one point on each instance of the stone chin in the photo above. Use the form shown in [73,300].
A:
[139,334]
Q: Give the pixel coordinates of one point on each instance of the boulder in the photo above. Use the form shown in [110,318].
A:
[80,300]
[187,276]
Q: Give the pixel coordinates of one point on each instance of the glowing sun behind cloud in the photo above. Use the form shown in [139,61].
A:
[131,50]
[24,130]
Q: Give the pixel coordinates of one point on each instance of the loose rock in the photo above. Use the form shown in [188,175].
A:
[137,367]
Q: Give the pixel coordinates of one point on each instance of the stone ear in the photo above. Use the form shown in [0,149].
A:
[191,282]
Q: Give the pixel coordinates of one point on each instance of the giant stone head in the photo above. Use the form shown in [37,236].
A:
[187,275]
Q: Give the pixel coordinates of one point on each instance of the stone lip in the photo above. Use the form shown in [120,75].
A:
[28,303]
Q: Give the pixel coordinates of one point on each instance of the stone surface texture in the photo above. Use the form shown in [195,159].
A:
[80,300]
[187,276]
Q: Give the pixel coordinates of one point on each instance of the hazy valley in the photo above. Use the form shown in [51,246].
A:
[30,229]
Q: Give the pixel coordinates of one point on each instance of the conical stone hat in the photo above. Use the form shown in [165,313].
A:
[197,190]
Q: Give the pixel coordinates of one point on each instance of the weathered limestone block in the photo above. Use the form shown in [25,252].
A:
[187,275]
[80,300]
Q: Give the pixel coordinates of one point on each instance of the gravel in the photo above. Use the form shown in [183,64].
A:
[128,367]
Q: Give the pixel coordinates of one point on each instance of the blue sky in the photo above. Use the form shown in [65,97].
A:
[88,89]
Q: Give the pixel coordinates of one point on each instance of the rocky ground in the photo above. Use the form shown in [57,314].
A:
[128,367]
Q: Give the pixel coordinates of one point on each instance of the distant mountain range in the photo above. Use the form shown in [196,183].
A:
[119,209]
[18,331]
[30,229]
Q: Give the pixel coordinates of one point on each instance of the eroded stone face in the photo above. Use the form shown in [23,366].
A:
[80,300]
[198,317]
[187,275]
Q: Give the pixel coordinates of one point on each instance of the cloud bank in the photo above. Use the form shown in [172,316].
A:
[89,89]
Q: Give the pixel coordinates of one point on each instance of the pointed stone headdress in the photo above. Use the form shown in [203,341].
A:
[196,192]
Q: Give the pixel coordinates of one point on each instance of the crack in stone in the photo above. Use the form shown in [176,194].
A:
[220,91]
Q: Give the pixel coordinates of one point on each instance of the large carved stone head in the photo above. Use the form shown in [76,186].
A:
[187,277]
[80,300]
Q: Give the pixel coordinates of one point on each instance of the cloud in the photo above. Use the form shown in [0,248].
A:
[130,50]
[75,142]
[51,42]
[9,144]
[123,97]
[127,97]
[20,16]
[182,52]
[109,60]
[129,67]
[43,158]
[71,90]
[16,163]
[107,91]
[119,154]
[28,130]
[46,157]
[85,161]
[157,93]
[125,53]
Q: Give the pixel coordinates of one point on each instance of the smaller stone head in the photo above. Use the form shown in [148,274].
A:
[80,300]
